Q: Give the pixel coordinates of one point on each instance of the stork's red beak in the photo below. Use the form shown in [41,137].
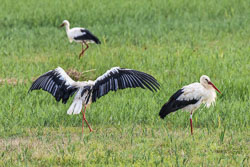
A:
[62,25]
[210,83]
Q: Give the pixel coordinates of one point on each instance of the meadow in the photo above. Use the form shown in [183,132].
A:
[175,41]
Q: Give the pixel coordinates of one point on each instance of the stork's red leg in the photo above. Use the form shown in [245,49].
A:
[83,50]
[83,115]
[90,129]
[191,124]
[86,45]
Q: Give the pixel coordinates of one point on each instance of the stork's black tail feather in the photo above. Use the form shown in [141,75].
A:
[171,105]
[97,41]
[165,110]
[87,35]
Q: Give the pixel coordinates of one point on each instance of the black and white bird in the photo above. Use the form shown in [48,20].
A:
[62,87]
[190,97]
[80,35]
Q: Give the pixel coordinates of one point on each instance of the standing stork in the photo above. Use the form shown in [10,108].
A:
[190,97]
[61,86]
[80,35]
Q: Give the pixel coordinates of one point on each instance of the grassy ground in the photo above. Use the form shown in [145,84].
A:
[175,41]
[126,146]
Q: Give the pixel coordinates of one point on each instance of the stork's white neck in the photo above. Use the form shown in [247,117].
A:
[67,27]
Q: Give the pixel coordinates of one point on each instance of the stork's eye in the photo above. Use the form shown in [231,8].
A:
[206,80]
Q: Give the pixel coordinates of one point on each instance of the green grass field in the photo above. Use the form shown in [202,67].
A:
[175,41]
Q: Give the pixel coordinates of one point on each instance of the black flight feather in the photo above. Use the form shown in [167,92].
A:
[120,78]
[88,36]
[173,104]
[55,85]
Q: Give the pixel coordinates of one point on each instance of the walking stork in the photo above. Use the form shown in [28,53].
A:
[62,87]
[80,35]
[190,98]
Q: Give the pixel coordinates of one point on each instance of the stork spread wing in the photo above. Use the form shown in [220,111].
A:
[87,35]
[121,78]
[57,83]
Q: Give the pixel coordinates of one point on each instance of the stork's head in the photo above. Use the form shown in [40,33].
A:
[65,23]
[206,82]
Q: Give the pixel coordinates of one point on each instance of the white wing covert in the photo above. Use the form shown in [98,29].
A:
[192,91]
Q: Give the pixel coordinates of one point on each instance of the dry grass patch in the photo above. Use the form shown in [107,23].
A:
[76,75]
[12,81]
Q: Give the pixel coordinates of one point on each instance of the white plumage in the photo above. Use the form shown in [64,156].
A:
[76,106]
[64,76]
[190,97]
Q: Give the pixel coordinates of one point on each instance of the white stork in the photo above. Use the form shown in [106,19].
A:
[61,86]
[190,97]
[80,35]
